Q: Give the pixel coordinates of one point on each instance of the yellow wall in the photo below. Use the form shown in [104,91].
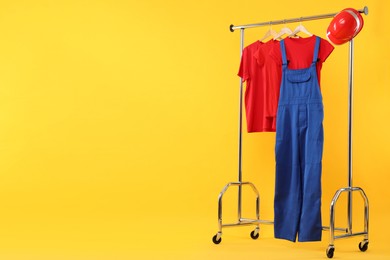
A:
[118,122]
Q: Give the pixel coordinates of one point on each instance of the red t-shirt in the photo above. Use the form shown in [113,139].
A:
[258,71]
[300,53]
[273,78]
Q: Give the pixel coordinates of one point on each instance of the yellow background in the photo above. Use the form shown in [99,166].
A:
[118,129]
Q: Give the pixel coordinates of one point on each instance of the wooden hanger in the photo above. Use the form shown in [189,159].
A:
[300,28]
[283,31]
[270,32]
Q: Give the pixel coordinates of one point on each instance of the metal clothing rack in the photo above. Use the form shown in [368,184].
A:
[363,245]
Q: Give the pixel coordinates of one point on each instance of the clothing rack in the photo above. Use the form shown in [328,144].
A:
[363,245]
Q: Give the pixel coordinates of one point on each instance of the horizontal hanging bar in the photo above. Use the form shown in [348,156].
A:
[293,20]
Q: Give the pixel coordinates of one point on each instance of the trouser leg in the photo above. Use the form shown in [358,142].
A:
[288,197]
[310,228]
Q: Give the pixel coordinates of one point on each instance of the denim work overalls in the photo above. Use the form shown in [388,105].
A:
[299,145]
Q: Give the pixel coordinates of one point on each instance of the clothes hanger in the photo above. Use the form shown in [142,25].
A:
[270,32]
[283,31]
[300,28]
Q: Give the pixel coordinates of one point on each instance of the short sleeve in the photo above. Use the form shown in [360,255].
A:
[243,71]
[325,50]
[275,54]
[260,56]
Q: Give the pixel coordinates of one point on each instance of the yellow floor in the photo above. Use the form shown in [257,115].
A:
[173,238]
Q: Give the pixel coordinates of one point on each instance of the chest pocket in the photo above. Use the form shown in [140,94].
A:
[299,84]
[299,77]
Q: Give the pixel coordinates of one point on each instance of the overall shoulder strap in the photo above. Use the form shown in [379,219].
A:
[316,49]
[283,50]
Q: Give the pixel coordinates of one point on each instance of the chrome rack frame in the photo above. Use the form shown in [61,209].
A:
[363,246]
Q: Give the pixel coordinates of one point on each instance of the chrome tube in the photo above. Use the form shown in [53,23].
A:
[240,133]
[366,212]
[292,20]
[350,118]
[332,216]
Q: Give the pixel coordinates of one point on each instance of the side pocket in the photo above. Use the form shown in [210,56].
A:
[280,120]
[316,117]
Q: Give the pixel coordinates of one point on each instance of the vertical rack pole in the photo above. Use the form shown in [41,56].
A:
[240,133]
[350,114]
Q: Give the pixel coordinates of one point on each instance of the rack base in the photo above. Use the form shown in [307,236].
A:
[363,245]
[241,221]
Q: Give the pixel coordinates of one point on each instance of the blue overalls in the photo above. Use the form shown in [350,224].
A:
[299,145]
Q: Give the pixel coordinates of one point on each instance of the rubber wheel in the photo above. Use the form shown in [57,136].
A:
[215,241]
[330,252]
[363,246]
[255,235]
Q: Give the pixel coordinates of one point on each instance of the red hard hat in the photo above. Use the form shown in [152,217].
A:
[344,26]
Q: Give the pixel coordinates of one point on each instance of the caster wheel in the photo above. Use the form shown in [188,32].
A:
[330,252]
[255,234]
[216,240]
[363,246]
